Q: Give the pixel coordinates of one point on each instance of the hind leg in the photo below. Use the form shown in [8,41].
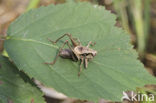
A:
[53,62]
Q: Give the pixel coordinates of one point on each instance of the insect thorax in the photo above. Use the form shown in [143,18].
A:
[81,50]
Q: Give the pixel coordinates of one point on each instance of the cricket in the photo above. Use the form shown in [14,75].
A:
[76,52]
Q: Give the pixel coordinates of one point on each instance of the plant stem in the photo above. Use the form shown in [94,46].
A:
[120,6]
[32,4]
[136,7]
[146,18]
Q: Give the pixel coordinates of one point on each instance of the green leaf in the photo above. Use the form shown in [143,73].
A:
[13,89]
[113,70]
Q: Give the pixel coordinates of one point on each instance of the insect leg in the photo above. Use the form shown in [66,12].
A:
[53,62]
[91,43]
[51,41]
[79,42]
[72,50]
[69,35]
[82,60]
[86,62]
[69,46]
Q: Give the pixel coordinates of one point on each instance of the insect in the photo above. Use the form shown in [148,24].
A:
[76,51]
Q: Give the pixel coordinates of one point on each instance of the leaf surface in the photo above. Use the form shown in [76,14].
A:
[114,69]
[13,89]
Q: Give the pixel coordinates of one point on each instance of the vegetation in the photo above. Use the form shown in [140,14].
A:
[114,69]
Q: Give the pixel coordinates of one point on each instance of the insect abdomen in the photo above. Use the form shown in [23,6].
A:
[68,54]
